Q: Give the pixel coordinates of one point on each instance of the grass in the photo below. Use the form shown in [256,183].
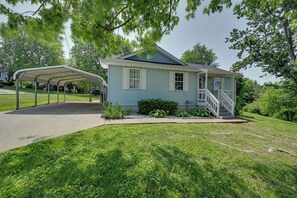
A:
[8,101]
[159,160]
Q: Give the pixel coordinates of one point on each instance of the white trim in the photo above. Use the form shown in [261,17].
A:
[127,63]
[172,81]
[143,79]
[125,78]
[186,81]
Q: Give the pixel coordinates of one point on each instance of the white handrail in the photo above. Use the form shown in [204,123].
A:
[226,101]
[206,98]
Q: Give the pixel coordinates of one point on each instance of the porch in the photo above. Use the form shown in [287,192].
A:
[214,94]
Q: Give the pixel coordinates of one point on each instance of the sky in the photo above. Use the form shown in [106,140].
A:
[211,31]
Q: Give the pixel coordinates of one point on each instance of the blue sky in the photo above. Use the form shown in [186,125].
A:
[211,31]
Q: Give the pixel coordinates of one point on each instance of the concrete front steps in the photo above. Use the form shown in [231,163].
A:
[224,114]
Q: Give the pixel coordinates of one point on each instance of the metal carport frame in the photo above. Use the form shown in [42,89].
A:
[59,75]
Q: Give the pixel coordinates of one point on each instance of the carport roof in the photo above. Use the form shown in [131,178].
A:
[54,75]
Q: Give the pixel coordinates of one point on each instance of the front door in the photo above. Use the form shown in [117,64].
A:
[217,85]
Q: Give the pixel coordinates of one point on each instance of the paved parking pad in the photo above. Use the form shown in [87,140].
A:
[25,126]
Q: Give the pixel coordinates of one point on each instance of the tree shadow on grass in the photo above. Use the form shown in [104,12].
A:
[181,174]
[48,171]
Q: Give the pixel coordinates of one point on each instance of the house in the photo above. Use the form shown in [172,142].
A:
[140,76]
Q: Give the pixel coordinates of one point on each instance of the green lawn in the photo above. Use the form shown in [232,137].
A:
[158,160]
[7,101]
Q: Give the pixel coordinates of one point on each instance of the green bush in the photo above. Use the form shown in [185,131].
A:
[253,107]
[181,113]
[113,112]
[157,113]
[146,106]
[200,112]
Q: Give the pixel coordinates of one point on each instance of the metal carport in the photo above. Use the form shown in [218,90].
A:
[59,75]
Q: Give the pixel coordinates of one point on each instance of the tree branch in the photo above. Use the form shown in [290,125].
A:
[114,18]
[116,27]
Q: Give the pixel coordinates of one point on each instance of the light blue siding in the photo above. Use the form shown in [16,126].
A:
[157,87]
[156,57]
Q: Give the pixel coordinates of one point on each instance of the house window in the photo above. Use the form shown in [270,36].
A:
[134,78]
[179,81]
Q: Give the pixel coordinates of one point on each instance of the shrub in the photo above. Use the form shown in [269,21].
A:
[113,112]
[181,113]
[199,112]
[146,106]
[253,107]
[157,113]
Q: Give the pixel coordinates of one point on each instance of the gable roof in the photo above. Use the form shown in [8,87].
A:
[161,56]
[133,60]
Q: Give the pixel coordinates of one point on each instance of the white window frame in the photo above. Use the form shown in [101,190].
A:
[179,81]
[172,81]
[126,78]
[134,78]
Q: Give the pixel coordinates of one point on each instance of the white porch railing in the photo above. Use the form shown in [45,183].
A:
[226,101]
[228,92]
[207,99]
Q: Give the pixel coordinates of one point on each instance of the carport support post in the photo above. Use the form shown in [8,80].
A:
[48,94]
[17,94]
[90,94]
[35,92]
[65,92]
[58,92]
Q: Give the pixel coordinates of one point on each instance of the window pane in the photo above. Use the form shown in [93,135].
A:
[136,73]
[179,78]
[131,83]
[179,85]
[137,84]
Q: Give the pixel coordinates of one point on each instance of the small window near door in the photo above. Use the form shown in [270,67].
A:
[134,79]
[179,81]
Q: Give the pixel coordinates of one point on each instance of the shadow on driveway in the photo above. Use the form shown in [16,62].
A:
[71,108]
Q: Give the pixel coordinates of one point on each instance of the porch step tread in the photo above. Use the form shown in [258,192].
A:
[227,117]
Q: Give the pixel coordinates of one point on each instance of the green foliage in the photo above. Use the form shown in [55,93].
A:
[253,107]
[181,113]
[269,41]
[200,112]
[25,52]
[278,101]
[146,106]
[246,92]
[97,21]
[87,58]
[113,111]
[157,113]
[160,160]
[200,54]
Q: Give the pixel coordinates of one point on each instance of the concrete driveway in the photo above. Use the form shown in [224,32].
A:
[25,126]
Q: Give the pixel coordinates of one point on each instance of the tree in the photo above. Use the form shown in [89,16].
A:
[200,54]
[86,56]
[270,40]
[25,52]
[97,21]
[247,91]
